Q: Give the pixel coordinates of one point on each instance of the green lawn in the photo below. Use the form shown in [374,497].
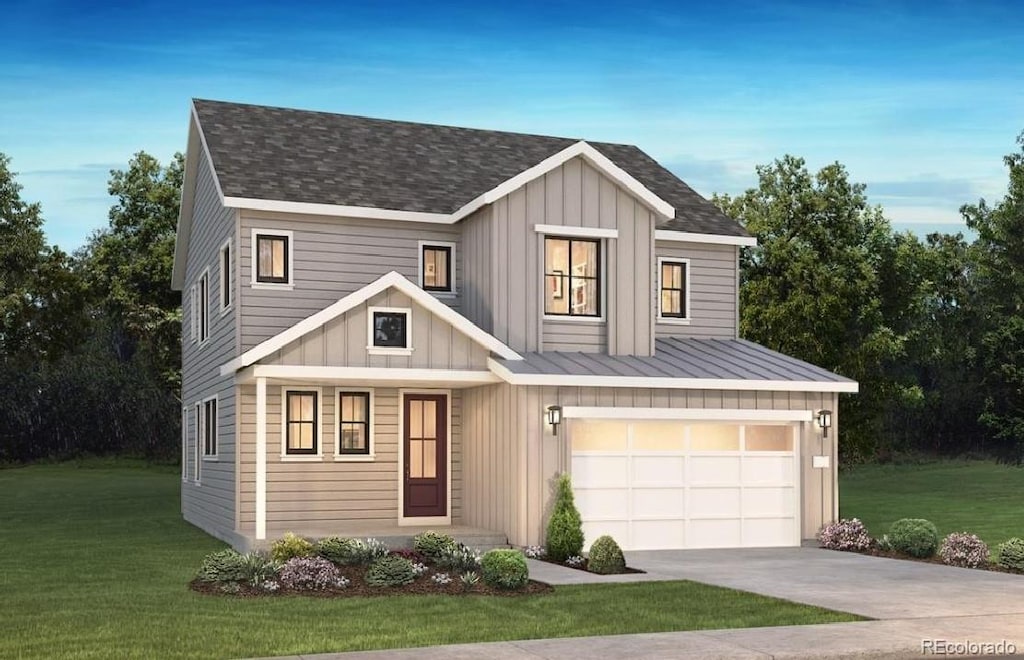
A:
[96,559]
[980,497]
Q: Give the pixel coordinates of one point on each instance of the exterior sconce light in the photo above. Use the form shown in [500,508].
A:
[554,414]
[824,421]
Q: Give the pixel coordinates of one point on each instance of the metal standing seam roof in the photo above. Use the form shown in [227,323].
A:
[269,153]
[675,357]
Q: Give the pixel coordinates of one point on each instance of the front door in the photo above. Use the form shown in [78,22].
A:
[426,455]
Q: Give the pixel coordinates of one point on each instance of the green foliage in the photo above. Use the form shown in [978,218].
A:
[290,546]
[257,568]
[432,544]
[606,557]
[914,536]
[338,550]
[223,566]
[458,557]
[505,569]
[565,528]
[1011,554]
[390,571]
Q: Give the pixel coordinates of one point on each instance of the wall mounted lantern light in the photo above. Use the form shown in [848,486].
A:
[824,421]
[554,418]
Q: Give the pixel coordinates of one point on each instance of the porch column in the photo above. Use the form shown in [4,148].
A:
[261,459]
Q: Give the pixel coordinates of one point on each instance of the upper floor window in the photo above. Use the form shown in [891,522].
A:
[436,271]
[572,276]
[225,276]
[673,289]
[203,292]
[272,257]
[390,330]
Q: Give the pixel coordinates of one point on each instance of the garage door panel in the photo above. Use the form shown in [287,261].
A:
[714,470]
[714,534]
[658,503]
[658,470]
[617,529]
[714,502]
[659,535]
[768,532]
[600,471]
[768,469]
[602,503]
[778,502]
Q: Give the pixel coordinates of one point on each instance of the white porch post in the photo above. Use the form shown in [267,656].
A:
[261,459]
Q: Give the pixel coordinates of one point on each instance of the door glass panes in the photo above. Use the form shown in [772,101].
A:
[423,440]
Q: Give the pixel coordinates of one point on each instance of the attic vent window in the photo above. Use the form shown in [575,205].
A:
[390,331]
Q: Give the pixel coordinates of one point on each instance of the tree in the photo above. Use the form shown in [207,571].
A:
[816,287]
[130,263]
[998,256]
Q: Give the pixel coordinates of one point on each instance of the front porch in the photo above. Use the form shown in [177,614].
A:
[394,535]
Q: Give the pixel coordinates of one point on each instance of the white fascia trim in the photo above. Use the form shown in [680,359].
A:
[580,232]
[570,380]
[709,414]
[595,157]
[368,374]
[335,210]
[690,237]
[392,279]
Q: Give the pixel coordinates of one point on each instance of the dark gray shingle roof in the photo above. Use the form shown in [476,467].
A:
[676,357]
[262,152]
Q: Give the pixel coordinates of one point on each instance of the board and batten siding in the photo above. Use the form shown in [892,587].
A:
[572,195]
[343,341]
[332,258]
[511,459]
[320,497]
[210,504]
[714,298]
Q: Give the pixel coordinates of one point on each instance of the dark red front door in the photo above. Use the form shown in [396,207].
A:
[426,455]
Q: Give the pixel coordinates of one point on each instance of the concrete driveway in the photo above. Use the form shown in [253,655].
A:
[870,586]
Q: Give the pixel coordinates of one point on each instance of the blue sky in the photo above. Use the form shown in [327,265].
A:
[920,100]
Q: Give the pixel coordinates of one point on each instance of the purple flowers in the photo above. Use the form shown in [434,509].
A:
[963,549]
[312,573]
[844,535]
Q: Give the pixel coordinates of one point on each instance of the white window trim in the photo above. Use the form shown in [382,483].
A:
[197,449]
[317,424]
[203,308]
[287,233]
[212,458]
[602,257]
[184,444]
[422,520]
[675,320]
[389,350]
[452,291]
[224,309]
[371,428]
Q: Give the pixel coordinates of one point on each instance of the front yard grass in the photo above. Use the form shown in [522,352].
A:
[980,497]
[95,561]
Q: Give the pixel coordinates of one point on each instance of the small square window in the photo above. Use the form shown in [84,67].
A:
[390,329]
[272,257]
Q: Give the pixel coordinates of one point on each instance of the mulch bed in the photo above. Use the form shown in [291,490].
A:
[423,585]
[890,554]
[583,566]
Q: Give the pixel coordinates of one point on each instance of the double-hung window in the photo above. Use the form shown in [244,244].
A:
[225,276]
[572,277]
[210,428]
[354,429]
[272,257]
[673,290]
[301,422]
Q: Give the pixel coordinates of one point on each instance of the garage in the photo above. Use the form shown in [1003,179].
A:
[667,484]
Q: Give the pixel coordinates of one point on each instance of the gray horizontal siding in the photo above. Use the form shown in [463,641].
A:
[332,258]
[713,294]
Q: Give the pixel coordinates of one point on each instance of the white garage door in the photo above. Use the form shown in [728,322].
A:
[679,484]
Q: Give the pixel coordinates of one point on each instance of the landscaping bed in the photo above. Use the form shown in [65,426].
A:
[581,565]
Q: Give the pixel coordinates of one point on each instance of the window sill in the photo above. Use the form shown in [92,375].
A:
[354,458]
[211,459]
[298,458]
[379,350]
[574,319]
[443,294]
[225,310]
[271,286]
[672,321]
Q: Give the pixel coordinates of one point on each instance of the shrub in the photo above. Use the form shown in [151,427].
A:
[915,537]
[290,546]
[441,579]
[337,549]
[505,569]
[311,573]
[390,571]
[606,557]
[844,535]
[432,544]
[469,579]
[1011,554]
[258,568]
[565,529]
[963,549]
[222,566]
[412,555]
[459,557]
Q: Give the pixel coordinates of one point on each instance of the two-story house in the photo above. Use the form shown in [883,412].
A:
[393,326]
